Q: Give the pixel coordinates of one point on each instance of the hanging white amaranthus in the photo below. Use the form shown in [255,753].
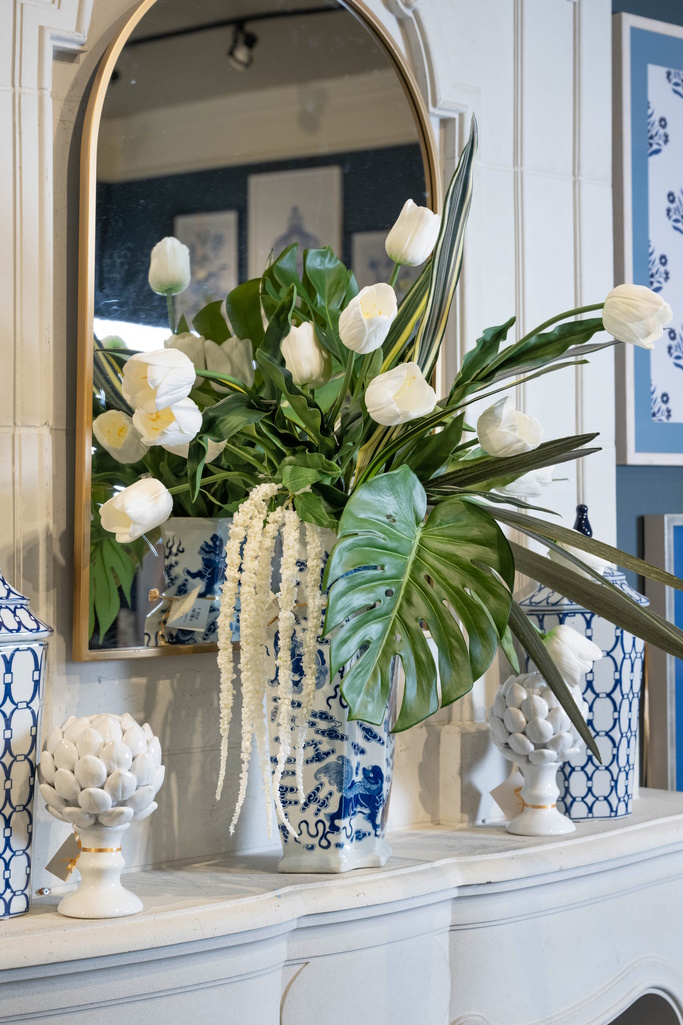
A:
[249,556]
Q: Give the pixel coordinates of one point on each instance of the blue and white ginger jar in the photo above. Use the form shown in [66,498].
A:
[23,651]
[612,692]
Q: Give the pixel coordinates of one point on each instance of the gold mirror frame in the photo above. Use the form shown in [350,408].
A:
[86,304]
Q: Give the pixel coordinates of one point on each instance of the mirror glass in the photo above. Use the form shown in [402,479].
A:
[239,127]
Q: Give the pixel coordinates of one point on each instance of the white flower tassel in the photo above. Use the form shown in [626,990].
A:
[314,562]
[253,507]
[286,623]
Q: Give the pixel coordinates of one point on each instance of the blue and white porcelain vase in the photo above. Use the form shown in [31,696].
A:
[23,651]
[194,556]
[612,692]
[347,767]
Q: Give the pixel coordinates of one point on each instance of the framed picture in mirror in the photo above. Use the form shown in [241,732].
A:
[213,244]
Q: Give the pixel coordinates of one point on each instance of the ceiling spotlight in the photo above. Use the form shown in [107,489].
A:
[241,52]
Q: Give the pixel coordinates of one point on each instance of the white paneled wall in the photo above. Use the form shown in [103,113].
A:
[537,75]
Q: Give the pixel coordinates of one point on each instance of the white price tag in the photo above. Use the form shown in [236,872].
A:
[507,795]
[64,861]
[190,612]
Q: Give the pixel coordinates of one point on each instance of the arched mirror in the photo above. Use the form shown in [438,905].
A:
[238,127]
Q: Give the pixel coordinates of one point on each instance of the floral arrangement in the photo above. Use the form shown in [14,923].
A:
[315,407]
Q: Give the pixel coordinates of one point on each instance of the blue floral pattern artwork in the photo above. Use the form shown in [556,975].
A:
[665,226]
[657,135]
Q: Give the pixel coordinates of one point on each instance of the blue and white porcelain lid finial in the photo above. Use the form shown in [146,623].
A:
[17,622]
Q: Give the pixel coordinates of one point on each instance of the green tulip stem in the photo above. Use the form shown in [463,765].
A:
[171,312]
[334,412]
[225,475]
[362,373]
[394,274]
[560,316]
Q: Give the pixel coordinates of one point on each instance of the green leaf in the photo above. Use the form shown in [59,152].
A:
[447,258]
[210,323]
[541,530]
[608,602]
[390,573]
[229,416]
[508,647]
[312,508]
[403,325]
[111,567]
[429,454]
[326,281]
[485,350]
[196,458]
[183,327]
[243,307]
[279,325]
[538,653]
[538,349]
[303,406]
[108,379]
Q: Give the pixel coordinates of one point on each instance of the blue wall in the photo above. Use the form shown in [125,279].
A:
[645,490]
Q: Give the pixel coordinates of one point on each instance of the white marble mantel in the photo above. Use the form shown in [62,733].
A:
[570,930]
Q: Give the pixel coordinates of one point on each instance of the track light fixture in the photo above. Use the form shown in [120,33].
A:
[241,52]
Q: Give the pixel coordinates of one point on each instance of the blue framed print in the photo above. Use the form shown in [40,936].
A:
[663,537]
[648,168]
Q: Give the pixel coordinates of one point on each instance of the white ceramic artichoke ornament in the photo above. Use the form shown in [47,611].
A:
[98,773]
[530,728]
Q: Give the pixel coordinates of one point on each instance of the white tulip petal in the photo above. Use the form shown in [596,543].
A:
[414,235]
[365,323]
[305,358]
[504,431]
[636,315]
[169,268]
[115,432]
[131,513]
[155,380]
[399,395]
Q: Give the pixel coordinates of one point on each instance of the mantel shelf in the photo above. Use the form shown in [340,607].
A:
[225,899]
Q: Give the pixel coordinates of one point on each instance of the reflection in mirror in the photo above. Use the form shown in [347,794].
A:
[238,128]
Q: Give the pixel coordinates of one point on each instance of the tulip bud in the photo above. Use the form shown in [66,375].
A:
[399,395]
[529,485]
[169,267]
[594,561]
[504,431]
[137,509]
[414,235]
[116,434]
[572,653]
[635,314]
[365,322]
[174,425]
[193,347]
[304,356]
[154,380]
[213,449]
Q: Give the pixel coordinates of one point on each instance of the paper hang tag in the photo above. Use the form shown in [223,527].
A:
[190,612]
[508,795]
[64,861]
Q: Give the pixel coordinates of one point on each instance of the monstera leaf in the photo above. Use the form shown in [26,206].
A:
[393,573]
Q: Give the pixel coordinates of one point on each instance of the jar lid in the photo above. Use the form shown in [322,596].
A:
[17,622]
[544,599]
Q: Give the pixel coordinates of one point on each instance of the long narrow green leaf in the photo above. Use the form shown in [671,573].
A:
[537,652]
[403,324]
[447,258]
[543,529]
[611,603]
[107,378]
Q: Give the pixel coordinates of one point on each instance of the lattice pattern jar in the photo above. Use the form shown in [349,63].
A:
[23,650]
[612,692]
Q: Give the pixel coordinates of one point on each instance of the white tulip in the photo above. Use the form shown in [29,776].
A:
[399,395]
[169,267]
[572,653]
[304,356]
[594,561]
[193,347]
[213,449]
[234,356]
[414,235]
[115,432]
[529,485]
[504,431]
[137,509]
[635,314]
[154,380]
[175,425]
[365,322]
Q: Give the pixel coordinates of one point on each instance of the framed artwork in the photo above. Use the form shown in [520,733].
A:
[212,241]
[664,758]
[370,263]
[303,206]
[648,168]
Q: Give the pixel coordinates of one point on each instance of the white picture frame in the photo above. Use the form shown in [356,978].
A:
[285,206]
[649,430]
[212,239]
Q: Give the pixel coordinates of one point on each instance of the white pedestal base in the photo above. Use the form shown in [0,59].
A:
[100,893]
[539,794]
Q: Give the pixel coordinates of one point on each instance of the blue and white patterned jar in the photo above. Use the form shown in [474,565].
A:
[612,692]
[194,556]
[347,767]
[23,651]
